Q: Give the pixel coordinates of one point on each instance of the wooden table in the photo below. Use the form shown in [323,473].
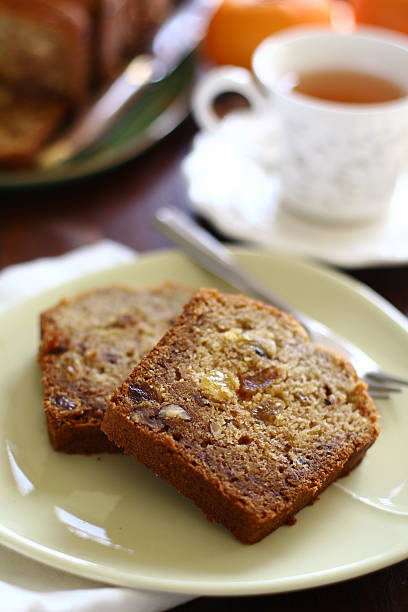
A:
[119,205]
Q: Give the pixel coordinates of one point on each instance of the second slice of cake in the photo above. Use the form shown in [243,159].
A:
[89,345]
[241,413]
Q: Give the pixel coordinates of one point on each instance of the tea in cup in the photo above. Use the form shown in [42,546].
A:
[341,101]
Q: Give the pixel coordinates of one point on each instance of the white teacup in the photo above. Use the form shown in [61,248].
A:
[338,162]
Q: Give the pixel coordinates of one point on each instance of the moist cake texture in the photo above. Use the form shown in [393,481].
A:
[241,413]
[89,344]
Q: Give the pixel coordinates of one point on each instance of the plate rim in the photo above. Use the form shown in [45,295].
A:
[94,571]
[322,267]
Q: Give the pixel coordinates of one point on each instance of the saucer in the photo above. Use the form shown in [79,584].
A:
[233,182]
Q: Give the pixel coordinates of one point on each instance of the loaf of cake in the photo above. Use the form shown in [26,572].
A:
[144,18]
[63,46]
[241,413]
[89,344]
[124,29]
[64,51]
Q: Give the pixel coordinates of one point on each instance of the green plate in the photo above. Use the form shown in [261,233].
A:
[152,117]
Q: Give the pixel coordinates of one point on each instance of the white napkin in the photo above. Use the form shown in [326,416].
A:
[25,585]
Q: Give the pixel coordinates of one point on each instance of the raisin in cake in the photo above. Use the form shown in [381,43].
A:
[241,413]
[89,345]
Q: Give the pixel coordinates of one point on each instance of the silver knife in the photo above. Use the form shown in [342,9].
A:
[173,42]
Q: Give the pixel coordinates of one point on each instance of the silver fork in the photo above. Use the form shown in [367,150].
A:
[212,255]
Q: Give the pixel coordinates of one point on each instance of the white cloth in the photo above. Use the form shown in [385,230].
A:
[25,585]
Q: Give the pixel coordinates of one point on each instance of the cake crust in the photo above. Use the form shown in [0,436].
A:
[237,410]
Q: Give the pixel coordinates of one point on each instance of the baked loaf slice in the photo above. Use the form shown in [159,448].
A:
[46,47]
[124,29]
[62,47]
[143,18]
[242,414]
[89,344]
[58,53]
[26,124]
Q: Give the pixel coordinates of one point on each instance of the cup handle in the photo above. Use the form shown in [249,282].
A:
[222,80]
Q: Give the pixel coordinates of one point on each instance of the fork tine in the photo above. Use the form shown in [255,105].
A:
[379,395]
[384,377]
[374,388]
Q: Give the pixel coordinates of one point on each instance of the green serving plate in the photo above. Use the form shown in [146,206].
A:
[161,108]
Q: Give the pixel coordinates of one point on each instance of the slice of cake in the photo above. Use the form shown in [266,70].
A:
[45,48]
[237,410]
[89,344]
[26,124]
[125,28]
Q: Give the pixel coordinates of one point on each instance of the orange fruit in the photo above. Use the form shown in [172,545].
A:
[392,14]
[238,26]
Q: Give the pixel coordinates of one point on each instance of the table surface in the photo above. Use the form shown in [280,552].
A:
[120,205]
